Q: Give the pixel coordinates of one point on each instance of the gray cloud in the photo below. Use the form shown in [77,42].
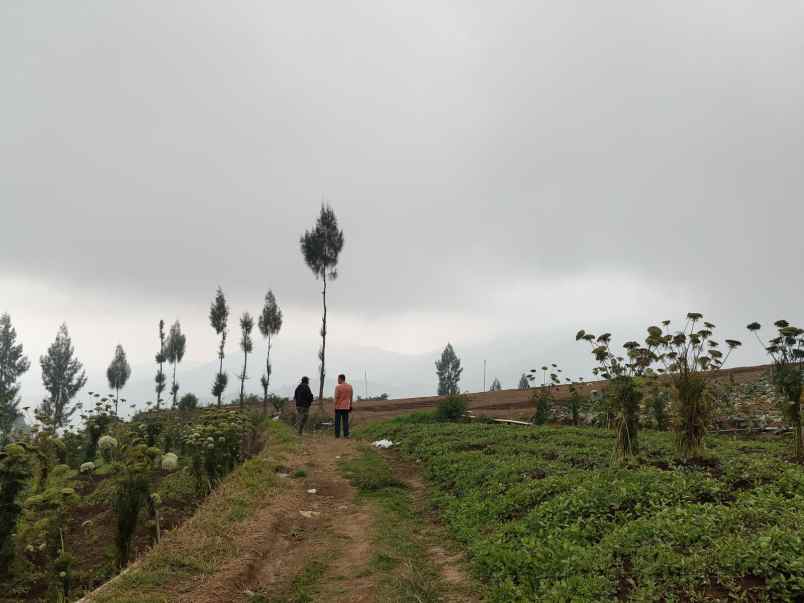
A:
[154,151]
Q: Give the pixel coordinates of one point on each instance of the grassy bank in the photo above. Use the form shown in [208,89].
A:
[400,540]
[547,516]
[208,539]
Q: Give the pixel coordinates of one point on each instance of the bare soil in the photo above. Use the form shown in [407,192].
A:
[330,530]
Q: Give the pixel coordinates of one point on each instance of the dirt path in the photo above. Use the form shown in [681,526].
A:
[321,546]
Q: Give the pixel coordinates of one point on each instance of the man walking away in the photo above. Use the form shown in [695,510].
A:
[304,398]
[343,406]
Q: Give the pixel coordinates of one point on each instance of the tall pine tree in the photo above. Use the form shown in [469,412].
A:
[13,364]
[174,352]
[247,345]
[321,247]
[63,377]
[160,360]
[449,372]
[118,373]
[270,323]
[218,318]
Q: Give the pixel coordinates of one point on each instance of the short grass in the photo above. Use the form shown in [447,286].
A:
[405,575]
[547,516]
[207,539]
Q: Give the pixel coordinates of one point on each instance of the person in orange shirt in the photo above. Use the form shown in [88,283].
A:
[343,406]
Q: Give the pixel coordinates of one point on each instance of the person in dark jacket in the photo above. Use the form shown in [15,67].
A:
[304,398]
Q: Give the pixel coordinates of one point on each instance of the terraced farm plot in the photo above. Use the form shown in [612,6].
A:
[547,516]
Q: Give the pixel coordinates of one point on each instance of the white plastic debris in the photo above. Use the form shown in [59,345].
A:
[309,514]
[276,418]
[312,491]
[383,444]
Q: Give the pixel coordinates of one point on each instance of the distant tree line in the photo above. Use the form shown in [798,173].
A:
[63,375]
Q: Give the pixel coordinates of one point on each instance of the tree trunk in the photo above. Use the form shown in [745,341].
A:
[243,379]
[116,398]
[220,372]
[267,378]
[173,385]
[323,345]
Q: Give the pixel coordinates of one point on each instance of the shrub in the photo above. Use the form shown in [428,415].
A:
[658,408]
[15,471]
[278,402]
[543,396]
[623,394]
[188,402]
[576,402]
[544,404]
[107,445]
[129,498]
[686,356]
[87,467]
[787,352]
[451,408]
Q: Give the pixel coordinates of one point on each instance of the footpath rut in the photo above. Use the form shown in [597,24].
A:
[319,546]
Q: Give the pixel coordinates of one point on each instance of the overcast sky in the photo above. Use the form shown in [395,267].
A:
[505,173]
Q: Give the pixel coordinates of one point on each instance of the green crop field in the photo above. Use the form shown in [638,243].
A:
[547,515]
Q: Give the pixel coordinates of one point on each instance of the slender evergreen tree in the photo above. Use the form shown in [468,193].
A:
[321,247]
[495,385]
[174,352]
[218,318]
[13,364]
[118,373]
[270,323]
[449,372]
[160,360]
[247,345]
[63,377]
[524,382]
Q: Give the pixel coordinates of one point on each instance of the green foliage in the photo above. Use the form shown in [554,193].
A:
[787,352]
[129,498]
[279,403]
[658,403]
[686,356]
[544,403]
[218,318]
[577,402]
[161,358]
[269,323]
[13,364]
[452,408]
[322,245]
[448,370]
[15,471]
[546,516]
[118,373]
[174,353]
[543,396]
[188,402]
[524,382]
[213,444]
[246,345]
[63,377]
[495,385]
[369,472]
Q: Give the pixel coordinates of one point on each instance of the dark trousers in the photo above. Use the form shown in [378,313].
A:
[304,414]
[341,417]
